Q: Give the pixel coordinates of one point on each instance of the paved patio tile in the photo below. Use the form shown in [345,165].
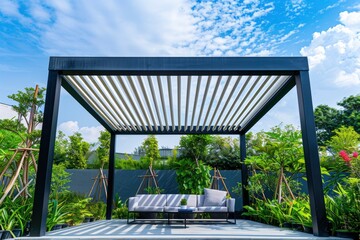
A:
[118,229]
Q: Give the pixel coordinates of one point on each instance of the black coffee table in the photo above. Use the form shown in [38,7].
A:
[183,214]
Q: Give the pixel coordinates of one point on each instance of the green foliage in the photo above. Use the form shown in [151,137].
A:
[76,206]
[183,202]
[351,112]
[192,179]
[9,218]
[103,150]
[56,214]
[238,189]
[11,136]
[150,145]
[224,153]
[59,181]
[171,162]
[78,149]
[153,190]
[328,119]
[15,213]
[97,210]
[26,100]
[120,209]
[276,153]
[343,209]
[195,147]
[275,213]
[61,148]
[130,164]
[344,138]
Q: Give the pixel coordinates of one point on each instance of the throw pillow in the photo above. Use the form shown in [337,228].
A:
[214,197]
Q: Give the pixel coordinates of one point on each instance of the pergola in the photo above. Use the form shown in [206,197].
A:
[178,95]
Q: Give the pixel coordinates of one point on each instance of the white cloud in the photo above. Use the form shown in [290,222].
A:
[151,27]
[334,54]
[9,8]
[351,20]
[230,28]
[295,7]
[90,134]
[90,27]
[357,7]
[12,9]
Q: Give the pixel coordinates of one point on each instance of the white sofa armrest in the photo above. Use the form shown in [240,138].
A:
[230,203]
[133,202]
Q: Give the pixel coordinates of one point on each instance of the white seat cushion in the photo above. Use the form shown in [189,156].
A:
[158,200]
[212,209]
[176,209]
[148,209]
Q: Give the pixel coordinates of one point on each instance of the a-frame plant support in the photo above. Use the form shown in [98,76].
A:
[216,179]
[23,164]
[149,180]
[99,185]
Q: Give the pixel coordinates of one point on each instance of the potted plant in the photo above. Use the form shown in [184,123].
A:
[183,203]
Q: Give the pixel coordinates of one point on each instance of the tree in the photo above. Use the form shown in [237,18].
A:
[78,150]
[279,151]
[103,150]
[26,102]
[195,147]
[28,109]
[151,147]
[224,153]
[351,112]
[345,139]
[61,148]
[327,119]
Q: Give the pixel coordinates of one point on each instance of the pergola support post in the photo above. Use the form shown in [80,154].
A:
[311,155]
[244,171]
[46,155]
[111,174]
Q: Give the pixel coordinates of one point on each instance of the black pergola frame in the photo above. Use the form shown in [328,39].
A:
[296,67]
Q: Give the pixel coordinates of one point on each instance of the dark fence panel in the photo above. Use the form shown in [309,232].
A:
[128,181]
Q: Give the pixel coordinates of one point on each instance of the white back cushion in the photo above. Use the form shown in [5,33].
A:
[214,197]
[152,199]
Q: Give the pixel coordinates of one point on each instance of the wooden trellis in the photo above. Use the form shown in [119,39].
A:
[218,179]
[148,180]
[100,184]
[24,162]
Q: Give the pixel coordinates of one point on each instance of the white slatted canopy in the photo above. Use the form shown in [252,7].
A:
[178,95]
[200,103]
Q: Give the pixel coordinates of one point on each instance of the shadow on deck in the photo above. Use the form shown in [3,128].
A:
[118,229]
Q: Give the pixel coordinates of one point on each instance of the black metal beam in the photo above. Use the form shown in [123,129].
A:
[178,130]
[270,103]
[244,171]
[178,65]
[85,105]
[46,155]
[111,177]
[311,154]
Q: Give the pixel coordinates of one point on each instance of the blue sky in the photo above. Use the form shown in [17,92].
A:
[328,32]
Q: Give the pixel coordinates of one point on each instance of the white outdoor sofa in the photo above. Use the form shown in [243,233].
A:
[213,201]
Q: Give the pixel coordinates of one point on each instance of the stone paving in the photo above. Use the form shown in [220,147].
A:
[118,229]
